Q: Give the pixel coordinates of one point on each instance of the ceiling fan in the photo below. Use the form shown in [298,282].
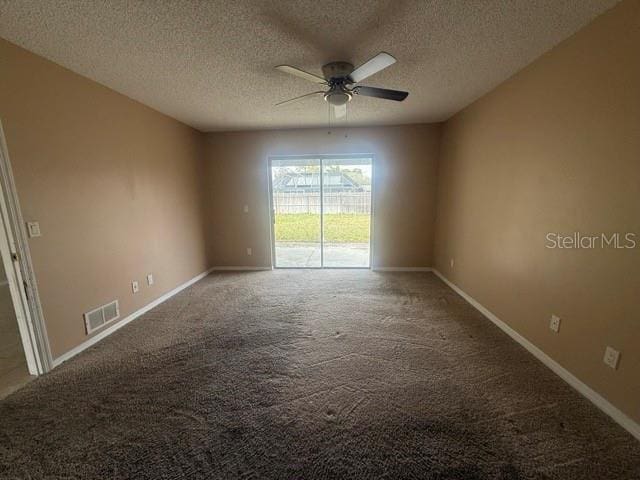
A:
[341,78]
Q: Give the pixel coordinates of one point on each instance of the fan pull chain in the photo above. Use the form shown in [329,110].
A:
[346,120]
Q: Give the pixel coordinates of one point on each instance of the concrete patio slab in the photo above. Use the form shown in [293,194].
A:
[307,255]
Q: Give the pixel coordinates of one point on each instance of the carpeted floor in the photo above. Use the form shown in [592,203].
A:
[309,375]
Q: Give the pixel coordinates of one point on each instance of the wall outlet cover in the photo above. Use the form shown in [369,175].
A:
[135,286]
[246,209]
[554,323]
[150,279]
[611,357]
[249,251]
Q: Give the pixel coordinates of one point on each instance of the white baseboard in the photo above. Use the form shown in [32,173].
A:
[598,400]
[239,269]
[402,269]
[108,331]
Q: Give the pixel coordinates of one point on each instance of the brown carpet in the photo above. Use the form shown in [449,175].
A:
[309,375]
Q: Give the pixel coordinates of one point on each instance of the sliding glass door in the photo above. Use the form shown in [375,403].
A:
[321,211]
[297,222]
[346,212]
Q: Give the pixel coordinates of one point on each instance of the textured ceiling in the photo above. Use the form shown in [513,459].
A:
[210,63]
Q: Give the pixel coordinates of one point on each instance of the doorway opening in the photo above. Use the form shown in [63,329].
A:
[24,349]
[321,211]
[14,371]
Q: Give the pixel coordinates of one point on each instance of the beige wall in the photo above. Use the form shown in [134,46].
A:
[115,186]
[404,189]
[554,149]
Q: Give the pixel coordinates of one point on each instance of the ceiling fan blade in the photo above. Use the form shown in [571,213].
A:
[301,73]
[374,65]
[291,100]
[396,95]
[340,111]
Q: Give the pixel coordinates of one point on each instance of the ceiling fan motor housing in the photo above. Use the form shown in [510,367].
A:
[337,71]
[337,76]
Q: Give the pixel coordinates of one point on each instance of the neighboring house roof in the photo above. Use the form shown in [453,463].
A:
[335,181]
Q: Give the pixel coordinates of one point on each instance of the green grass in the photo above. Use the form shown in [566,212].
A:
[338,228]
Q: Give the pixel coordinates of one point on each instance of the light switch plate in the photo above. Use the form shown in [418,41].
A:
[611,357]
[34,229]
[246,209]
[554,323]
[150,279]
[249,251]
[135,287]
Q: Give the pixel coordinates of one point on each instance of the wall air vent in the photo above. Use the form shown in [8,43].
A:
[100,316]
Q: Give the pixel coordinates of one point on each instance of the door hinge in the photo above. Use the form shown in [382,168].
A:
[14,256]
[26,289]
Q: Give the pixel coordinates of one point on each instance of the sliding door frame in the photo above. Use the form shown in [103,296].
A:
[321,158]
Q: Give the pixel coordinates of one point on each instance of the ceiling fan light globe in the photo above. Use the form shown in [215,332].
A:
[337,98]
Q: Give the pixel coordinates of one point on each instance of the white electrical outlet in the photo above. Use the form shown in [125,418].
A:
[611,357]
[135,287]
[451,262]
[246,209]
[150,279]
[554,323]
[249,251]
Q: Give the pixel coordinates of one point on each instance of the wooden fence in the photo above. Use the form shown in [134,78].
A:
[335,202]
